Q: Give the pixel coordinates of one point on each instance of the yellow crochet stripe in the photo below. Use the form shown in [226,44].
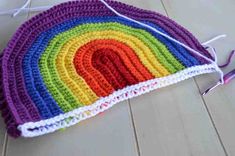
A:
[67,71]
[143,52]
[80,90]
[75,82]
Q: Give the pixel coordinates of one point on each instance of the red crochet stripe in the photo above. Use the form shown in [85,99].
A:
[108,65]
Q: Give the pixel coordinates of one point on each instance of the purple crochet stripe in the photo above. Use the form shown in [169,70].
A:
[20,108]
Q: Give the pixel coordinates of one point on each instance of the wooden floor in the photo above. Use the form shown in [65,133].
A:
[173,121]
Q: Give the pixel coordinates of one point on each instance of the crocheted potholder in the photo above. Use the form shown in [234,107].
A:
[80,58]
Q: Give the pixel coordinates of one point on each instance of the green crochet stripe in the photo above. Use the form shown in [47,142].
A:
[58,89]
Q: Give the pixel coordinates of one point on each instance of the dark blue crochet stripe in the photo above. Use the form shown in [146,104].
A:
[36,88]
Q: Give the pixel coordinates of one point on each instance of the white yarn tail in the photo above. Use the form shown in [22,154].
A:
[24,8]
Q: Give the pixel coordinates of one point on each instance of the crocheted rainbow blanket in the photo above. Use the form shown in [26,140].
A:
[79,58]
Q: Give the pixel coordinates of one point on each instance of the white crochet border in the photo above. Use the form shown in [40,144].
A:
[32,129]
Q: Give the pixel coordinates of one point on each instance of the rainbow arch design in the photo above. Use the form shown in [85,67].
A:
[78,59]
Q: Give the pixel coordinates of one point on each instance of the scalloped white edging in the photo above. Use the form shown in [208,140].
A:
[32,129]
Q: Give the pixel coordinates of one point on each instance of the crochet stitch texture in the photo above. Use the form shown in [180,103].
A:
[78,59]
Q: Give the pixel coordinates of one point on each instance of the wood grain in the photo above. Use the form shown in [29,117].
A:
[170,121]
[110,133]
[211,18]
[173,121]
[2,137]
[8,24]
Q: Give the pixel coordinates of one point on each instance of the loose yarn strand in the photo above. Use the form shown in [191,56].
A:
[205,44]
[214,39]
[230,75]
[23,7]
[33,9]
[157,31]
[84,57]
[228,60]
[178,42]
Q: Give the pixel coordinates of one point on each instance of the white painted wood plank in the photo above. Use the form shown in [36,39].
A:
[214,17]
[173,121]
[107,134]
[150,4]
[2,136]
[36,3]
[8,24]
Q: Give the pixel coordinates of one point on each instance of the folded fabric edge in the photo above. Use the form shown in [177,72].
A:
[33,129]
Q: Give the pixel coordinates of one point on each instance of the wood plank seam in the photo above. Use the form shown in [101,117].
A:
[202,98]
[134,128]
[4,149]
[164,7]
[211,119]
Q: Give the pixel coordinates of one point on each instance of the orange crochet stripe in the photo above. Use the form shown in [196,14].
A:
[107,64]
